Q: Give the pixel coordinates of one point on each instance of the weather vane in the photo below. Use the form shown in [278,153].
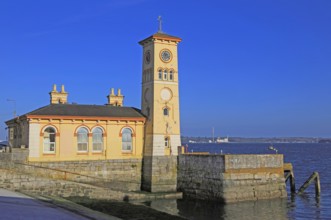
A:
[160,24]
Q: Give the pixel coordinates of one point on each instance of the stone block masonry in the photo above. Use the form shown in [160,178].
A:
[15,181]
[16,154]
[160,174]
[120,174]
[231,178]
[116,174]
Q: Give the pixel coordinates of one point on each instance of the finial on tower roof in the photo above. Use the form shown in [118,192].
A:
[160,24]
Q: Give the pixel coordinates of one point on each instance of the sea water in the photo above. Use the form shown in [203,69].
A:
[305,158]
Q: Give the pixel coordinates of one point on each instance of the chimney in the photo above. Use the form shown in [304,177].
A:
[115,100]
[58,97]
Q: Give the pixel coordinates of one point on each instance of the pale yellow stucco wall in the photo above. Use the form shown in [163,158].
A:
[66,139]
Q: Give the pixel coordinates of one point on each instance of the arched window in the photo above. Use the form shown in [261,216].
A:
[126,139]
[166,111]
[165,73]
[166,142]
[49,140]
[171,75]
[97,139]
[160,74]
[82,140]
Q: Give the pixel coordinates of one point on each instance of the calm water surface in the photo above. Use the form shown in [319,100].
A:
[305,158]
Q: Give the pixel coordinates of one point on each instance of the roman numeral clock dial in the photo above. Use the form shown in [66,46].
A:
[165,55]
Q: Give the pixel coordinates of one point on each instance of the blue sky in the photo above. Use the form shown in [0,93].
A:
[247,68]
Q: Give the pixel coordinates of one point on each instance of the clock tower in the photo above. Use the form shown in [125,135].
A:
[160,104]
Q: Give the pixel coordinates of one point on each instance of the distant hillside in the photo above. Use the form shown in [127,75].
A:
[324,140]
[258,140]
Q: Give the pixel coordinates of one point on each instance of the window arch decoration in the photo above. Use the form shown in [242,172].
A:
[127,139]
[97,139]
[47,126]
[49,139]
[82,139]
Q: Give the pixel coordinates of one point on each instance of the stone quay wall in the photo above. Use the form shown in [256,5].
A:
[160,174]
[15,181]
[231,178]
[14,154]
[115,174]
[121,174]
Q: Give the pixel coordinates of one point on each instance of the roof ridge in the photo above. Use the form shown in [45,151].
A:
[86,110]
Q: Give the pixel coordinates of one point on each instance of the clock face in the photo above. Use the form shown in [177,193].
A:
[148,57]
[165,55]
[166,94]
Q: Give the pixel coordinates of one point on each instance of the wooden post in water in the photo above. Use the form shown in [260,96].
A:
[315,176]
[292,182]
[317,185]
[288,168]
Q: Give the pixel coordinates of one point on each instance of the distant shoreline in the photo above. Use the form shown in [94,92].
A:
[273,140]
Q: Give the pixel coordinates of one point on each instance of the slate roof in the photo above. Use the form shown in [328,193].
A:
[88,111]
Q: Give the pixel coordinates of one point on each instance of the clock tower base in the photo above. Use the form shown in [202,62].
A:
[159,174]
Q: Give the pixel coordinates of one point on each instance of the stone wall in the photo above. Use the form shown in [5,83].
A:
[231,178]
[14,180]
[122,174]
[15,154]
[201,176]
[160,174]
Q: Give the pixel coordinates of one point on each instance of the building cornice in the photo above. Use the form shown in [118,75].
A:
[93,118]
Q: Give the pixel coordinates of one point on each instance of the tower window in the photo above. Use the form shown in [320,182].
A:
[49,140]
[166,112]
[165,74]
[166,142]
[171,76]
[160,74]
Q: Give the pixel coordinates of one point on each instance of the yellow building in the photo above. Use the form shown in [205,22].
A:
[62,131]
[72,132]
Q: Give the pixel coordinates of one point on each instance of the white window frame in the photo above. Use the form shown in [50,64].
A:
[82,143]
[127,146]
[47,143]
[97,142]
[165,74]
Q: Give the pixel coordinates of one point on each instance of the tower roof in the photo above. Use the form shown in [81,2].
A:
[161,36]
